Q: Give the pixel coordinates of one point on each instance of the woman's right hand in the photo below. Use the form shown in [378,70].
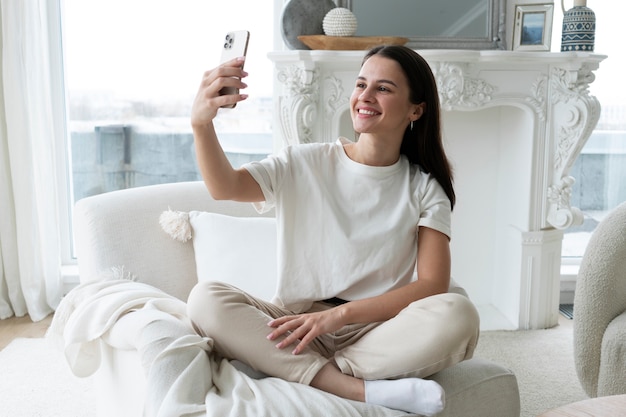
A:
[208,99]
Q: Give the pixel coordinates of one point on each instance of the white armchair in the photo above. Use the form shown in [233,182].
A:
[121,229]
[600,309]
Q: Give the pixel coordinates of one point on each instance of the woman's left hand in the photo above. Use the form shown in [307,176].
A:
[303,328]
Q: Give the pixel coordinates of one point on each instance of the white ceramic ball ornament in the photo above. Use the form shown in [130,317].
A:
[339,22]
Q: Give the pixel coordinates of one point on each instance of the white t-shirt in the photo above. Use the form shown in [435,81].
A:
[345,229]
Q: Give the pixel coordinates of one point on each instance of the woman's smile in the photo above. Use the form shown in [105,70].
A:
[367,112]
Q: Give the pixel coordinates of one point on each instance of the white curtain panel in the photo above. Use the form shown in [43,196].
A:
[30,263]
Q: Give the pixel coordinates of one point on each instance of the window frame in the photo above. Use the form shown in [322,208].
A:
[61,134]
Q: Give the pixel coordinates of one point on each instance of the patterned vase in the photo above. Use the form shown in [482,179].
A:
[579,27]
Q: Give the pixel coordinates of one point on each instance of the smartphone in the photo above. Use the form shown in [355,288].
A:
[235,45]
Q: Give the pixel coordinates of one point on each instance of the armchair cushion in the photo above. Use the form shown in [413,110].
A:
[612,375]
[479,381]
[234,249]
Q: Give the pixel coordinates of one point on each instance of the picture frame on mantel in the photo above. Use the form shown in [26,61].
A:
[533,27]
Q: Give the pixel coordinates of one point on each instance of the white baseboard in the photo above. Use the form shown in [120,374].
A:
[492,319]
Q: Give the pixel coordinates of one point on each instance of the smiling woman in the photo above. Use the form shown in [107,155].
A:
[342,315]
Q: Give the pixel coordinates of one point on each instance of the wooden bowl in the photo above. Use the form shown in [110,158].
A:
[349,43]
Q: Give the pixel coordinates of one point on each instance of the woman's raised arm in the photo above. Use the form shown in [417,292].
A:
[221,179]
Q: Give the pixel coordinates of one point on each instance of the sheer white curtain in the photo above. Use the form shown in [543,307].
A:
[30,262]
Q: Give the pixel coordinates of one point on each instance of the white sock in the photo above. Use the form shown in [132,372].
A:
[414,395]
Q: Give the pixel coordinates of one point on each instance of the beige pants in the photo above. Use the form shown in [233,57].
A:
[427,336]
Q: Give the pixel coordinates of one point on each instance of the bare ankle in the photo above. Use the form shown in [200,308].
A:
[332,380]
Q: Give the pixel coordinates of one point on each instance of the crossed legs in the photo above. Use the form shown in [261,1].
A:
[365,362]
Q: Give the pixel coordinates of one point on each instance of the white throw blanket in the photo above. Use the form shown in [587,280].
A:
[184,376]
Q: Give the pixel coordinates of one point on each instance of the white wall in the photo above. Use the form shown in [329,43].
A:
[492,182]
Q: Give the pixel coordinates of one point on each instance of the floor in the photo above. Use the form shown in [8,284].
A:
[15,327]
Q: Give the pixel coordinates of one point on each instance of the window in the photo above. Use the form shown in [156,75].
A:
[132,69]
[600,170]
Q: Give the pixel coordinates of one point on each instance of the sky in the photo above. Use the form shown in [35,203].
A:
[138,47]
[141,47]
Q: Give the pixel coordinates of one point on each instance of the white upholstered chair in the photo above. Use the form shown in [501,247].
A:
[122,228]
[600,309]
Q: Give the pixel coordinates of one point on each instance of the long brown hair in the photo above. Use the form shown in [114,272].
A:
[423,144]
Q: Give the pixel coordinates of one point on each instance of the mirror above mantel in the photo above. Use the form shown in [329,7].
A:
[433,24]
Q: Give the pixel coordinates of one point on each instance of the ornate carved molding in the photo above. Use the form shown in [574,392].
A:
[298,107]
[336,102]
[576,114]
[457,89]
[538,97]
[561,214]
[337,97]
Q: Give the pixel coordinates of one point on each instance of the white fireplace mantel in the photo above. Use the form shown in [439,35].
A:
[514,123]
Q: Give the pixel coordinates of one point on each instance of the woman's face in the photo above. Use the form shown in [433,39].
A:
[380,101]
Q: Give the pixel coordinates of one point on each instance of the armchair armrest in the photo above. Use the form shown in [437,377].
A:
[121,229]
[600,297]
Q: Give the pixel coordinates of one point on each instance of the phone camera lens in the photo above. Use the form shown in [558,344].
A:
[229,42]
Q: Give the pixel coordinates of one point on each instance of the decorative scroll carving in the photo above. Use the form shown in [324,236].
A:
[576,114]
[538,96]
[562,215]
[336,103]
[456,89]
[336,97]
[298,107]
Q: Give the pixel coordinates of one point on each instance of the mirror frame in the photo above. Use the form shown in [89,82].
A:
[495,38]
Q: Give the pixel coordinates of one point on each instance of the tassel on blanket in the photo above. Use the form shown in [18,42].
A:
[120,272]
[176,225]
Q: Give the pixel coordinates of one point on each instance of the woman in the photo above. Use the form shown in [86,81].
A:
[358,223]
